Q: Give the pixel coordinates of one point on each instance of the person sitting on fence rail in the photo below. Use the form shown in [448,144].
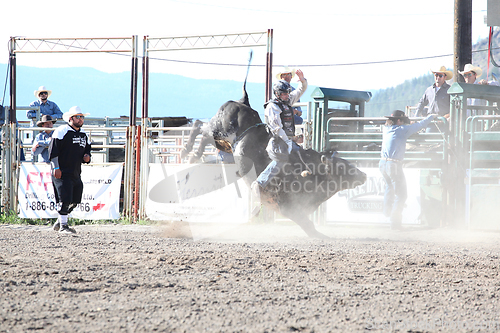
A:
[42,140]
[47,107]
[69,148]
[436,96]
[396,132]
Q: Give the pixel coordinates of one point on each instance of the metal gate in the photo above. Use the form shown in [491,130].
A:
[19,45]
[459,168]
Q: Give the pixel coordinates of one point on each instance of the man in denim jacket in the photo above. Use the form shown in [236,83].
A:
[396,131]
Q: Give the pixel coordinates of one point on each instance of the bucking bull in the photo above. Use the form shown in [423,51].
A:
[307,180]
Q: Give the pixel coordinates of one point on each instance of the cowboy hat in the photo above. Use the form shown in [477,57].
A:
[398,114]
[40,89]
[471,68]
[285,70]
[448,74]
[45,119]
[75,110]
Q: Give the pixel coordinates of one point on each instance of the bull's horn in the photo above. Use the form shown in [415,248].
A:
[323,159]
[305,173]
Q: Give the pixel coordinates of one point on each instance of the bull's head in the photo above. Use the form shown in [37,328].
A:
[345,174]
[337,172]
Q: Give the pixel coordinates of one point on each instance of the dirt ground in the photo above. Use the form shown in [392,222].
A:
[248,278]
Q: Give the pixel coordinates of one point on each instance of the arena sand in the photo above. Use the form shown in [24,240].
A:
[248,278]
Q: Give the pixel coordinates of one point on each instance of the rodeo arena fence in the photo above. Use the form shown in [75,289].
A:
[137,171]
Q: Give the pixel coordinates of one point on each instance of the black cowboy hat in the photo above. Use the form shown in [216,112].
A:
[398,114]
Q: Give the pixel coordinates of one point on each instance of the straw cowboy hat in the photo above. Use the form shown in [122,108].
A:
[75,110]
[448,74]
[285,70]
[45,119]
[471,68]
[398,114]
[40,89]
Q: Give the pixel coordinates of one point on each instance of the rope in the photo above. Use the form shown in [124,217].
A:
[490,52]
[300,156]
[238,139]
[6,79]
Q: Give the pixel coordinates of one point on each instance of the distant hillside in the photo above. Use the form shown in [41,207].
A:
[409,92]
[103,94]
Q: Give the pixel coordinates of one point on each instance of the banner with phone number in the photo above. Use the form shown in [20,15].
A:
[100,200]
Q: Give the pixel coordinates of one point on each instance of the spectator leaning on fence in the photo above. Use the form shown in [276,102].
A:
[47,107]
[471,75]
[42,140]
[436,98]
[69,148]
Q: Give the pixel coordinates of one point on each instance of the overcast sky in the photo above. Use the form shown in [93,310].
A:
[338,44]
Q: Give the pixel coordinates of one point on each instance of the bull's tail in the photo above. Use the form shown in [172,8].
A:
[244,99]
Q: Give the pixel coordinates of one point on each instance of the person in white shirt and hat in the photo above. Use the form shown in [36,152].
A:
[69,148]
[47,107]
[287,74]
[471,74]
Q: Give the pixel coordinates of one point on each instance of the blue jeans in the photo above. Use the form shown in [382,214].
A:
[395,190]
[270,172]
[273,169]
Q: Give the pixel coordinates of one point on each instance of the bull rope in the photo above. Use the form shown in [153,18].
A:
[238,139]
[300,156]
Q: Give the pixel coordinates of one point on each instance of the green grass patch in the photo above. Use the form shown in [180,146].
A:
[12,218]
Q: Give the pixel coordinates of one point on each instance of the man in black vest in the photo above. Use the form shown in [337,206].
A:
[279,117]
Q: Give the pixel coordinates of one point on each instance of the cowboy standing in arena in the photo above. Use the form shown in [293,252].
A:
[69,148]
[396,131]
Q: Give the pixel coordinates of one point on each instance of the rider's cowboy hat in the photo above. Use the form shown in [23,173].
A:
[398,114]
[471,68]
[40,89]
[45,119]
[285,70]
[448,74]
[75,110]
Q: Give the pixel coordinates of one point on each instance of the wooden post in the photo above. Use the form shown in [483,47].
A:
[269,65]
[462,37]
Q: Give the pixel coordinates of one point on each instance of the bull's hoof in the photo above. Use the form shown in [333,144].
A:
[184,153]
[256,203]
[263,197]
[316,234]
[194,159]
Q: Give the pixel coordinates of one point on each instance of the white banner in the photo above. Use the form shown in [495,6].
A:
[209,193]
[365,203]
[197,193]
[100,200]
